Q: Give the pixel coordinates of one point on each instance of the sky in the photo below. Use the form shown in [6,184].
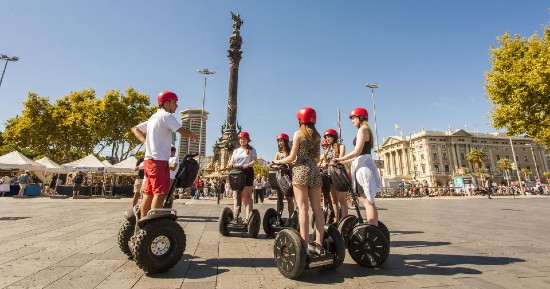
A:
[429,58]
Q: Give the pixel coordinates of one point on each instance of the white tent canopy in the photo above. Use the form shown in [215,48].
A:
[87,164]
[126,166]
[50,165]
[15,160]
[107,164]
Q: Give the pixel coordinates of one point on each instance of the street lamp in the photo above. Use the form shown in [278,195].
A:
[204,72]
[372,86]
[517,167]
[534,160]
[7,59]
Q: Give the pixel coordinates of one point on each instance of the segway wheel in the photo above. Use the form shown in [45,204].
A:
[384,229]
[124,235]
[225,218]
[159,246]
[345,226]
[368,246]
[270,219]
[335,245]
[254,223]
[289,251]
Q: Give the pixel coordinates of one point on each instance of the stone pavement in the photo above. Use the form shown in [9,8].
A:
[436,243]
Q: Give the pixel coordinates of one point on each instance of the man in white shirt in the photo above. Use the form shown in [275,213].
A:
[156,134]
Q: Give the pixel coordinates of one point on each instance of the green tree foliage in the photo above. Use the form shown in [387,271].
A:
[547,176]
[519,85]
[77,124]
[259,169]
[476,157]
[526,172]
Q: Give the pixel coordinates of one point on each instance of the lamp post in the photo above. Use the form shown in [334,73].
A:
[204,72]
[534,160]
[517,167]
[372,86]
[7,59]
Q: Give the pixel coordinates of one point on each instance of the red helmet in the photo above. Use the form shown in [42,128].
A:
[282,136]
[359,112]
[307,115]
[244,134]
[165,96]
[331,132]
[324,143]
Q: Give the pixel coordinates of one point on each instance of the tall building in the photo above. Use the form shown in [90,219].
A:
[191,119]
[438,156]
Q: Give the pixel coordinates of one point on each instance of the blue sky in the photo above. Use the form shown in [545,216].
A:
[429,57]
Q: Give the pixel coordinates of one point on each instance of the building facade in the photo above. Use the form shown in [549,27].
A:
[438,156]
[191,119]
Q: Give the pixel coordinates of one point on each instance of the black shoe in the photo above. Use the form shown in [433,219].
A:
[315,249]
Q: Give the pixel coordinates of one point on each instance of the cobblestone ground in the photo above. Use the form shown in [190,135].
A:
[436,243]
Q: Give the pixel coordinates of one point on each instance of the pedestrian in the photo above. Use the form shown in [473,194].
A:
[245,156]
[138,183]
[52,183]
[334,150]
[78,179]
[5,185]
[364,173]
[24,180]
[156,134]
[173,166]
[306,177]
[258,187]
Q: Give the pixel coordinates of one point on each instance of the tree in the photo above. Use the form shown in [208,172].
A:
[260,170]
[526,172]
[476,157]
[547,176]
[506,166]
[519,85]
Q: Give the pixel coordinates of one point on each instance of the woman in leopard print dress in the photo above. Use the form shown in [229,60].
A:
[306,178]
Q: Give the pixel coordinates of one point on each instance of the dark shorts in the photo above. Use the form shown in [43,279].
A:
[249,177]
[77,186]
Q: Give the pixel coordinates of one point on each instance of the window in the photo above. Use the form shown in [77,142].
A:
[444,156]
[485,148]
[446,168]
[496,148]
[462,156]
[443,147]
[436,168]
[498,157]
[525,159]
[433,147]
[421,156]
[488,168]
[434,156]
[517,158]
[423,169]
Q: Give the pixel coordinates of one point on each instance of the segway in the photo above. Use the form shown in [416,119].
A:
[234,223]
[160,240]
[279,178]
[367,245]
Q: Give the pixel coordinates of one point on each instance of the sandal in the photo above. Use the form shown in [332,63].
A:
[315,249]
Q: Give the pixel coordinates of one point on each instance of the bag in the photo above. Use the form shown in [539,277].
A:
[280,179]
[340,178]
[237,180]
[187,172]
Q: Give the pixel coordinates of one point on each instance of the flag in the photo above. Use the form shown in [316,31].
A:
[397,127]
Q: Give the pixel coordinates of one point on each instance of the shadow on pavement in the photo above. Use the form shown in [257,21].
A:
[417,244]
[427,264]
[192,219]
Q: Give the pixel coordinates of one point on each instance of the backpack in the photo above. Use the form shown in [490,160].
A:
[187,172]
[339,177]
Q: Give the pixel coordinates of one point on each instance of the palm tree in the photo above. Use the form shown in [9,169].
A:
[526,172]
[505,165]
[547,176]
[476,157]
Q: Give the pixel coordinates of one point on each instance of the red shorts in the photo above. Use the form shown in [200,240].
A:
[157,177]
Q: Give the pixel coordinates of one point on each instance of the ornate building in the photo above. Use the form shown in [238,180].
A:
[437,156]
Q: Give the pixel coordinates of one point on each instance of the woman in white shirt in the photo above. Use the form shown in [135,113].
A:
[246,157]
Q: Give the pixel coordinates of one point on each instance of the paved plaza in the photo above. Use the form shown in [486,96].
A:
[436,243]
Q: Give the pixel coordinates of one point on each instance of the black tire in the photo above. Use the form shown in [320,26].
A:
[254,223]
[124,235]
[368,246]
[225,218]
[289,252]
[345,226]
[270,218]
[159,246]
[385,230]
[335,245]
